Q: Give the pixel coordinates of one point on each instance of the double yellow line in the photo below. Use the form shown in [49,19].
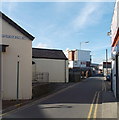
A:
[95,106]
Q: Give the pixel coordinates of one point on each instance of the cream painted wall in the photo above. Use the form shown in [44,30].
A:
[23,48]
[56,69]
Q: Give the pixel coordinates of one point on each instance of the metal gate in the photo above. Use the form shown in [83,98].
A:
[42,77]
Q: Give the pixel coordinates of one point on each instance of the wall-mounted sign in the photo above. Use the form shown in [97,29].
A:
[108,65]
[83,63]
[13,37]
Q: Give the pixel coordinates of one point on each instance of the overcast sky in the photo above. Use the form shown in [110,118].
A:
[63,25]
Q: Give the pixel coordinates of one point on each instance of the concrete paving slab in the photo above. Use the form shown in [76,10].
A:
[109,105]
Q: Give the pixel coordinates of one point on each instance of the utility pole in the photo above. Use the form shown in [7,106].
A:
[106,62]
[80,45]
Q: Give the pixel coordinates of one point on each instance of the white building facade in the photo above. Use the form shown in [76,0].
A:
[16,61]
[115,49]
[79,58]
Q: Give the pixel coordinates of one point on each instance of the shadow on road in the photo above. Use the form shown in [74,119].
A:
[76,98]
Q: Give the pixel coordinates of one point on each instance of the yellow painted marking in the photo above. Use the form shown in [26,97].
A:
[91,107]
[96,106]
[7,113]
[17,105]
[3,114]
[38,101]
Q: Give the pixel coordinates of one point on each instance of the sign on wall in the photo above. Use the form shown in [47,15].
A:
[107,65]
[13,37]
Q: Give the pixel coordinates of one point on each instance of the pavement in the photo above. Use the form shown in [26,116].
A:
[109,105]
[91,98]
[109,102]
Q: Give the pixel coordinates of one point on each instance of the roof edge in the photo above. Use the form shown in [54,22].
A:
[43,57]
[47,49]
[116,39]
[49,58]
[15,25]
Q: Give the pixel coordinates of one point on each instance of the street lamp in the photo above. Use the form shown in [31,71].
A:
[83,42]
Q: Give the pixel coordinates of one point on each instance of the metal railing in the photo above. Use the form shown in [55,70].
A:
[41,77]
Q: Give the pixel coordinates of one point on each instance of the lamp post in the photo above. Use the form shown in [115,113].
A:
[83,42]
[106,62]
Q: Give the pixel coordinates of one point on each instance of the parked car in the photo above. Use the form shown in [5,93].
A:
[108,77]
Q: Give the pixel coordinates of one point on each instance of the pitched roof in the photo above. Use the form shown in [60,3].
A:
[48,54]
[11,22]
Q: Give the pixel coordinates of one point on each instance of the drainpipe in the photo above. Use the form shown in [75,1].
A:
[1,82]
[35,71]
[106,62]
[0,85]
[65,70]
[18,77]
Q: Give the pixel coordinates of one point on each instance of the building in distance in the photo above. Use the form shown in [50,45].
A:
[78,58]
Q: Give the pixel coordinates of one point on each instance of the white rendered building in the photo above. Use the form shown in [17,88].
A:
[15,60]
[50,61]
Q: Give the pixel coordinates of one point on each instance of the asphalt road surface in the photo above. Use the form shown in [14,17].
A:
[82,100]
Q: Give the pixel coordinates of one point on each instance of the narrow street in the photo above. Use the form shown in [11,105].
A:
[82,100]
[59,59]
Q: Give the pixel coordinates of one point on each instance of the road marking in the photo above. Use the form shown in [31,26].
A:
[91,107]
[96,106]
[39,100]
[17,105]
[104,87]
[1,115]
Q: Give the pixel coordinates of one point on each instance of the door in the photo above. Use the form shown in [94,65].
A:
[117,77]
